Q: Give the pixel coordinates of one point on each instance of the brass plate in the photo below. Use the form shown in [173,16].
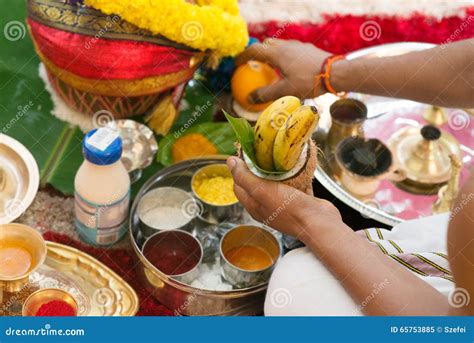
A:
[97,290]
[19,179]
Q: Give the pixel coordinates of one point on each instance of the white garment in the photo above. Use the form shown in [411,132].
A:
[302,286]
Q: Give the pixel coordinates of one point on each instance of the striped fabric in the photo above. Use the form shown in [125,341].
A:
[422,263]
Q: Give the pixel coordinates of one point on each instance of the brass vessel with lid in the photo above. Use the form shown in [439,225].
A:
[424,156]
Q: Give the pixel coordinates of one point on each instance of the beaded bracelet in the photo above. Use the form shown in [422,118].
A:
[326,74]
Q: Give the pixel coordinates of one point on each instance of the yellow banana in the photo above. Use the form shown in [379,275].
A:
[267,126]
[290,139]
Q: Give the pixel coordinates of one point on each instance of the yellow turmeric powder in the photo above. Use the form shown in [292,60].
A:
[191,146]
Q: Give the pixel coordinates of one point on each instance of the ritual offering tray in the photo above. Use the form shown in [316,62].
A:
[93,288]
[199,251]
[431,150]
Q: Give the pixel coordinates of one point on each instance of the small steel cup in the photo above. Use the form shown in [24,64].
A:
[45,295]
[248,235]
[348,116]
[32,241]
[215,213]
[174,242]
[169,197]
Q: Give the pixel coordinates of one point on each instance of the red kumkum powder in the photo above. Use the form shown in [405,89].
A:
[56,308]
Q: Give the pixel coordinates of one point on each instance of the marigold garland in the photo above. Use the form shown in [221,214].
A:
[207,25]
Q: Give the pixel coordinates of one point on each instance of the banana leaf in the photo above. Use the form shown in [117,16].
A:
[25,106]
[220,134]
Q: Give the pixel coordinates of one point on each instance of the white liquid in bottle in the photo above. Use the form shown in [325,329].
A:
[102,189]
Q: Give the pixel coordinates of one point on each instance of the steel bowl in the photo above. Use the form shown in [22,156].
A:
[177,296]
[252,236]
[171,197]
[177,241]
[211,212]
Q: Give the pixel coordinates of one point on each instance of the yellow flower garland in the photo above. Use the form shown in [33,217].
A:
[207,25]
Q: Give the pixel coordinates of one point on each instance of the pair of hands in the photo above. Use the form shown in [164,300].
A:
[280,206]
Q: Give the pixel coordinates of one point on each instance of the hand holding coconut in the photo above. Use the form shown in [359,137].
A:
[280,147]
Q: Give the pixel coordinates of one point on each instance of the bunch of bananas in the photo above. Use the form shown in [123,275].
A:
[281,132]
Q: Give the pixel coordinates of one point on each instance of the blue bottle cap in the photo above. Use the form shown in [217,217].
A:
[102,146]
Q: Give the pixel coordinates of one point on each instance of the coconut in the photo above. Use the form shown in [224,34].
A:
[300,177]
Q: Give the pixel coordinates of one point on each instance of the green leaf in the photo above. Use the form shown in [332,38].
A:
[245,135]
[220,134]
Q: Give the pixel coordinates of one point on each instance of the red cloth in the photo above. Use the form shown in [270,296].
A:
[340,34]
[106,59]
[122,262]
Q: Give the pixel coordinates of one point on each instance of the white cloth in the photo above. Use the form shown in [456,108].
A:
[302,286]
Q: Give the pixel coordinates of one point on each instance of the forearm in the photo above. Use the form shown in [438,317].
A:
[378,284]
[442,76]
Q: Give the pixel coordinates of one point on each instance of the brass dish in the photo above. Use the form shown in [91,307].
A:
[19,179]
[97,290]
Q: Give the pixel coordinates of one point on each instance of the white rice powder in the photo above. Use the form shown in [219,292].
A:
[165,218]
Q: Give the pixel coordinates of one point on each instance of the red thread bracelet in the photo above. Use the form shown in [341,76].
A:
[326,74]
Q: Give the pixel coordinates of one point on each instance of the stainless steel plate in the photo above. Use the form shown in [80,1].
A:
[391,205]
[177,296]
[19,179]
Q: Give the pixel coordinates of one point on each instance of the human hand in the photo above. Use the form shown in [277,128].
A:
[298,62]
[280,206]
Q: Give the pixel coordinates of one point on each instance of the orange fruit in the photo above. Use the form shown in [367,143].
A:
[247,78]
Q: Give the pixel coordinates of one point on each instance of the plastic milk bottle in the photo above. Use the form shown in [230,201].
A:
[102,189]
